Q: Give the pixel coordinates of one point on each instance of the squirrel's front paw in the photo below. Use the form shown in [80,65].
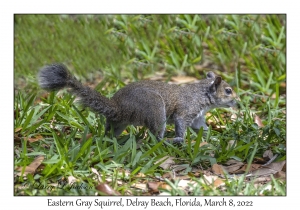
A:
[176,140]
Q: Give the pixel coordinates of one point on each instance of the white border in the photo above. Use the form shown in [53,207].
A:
[154,6]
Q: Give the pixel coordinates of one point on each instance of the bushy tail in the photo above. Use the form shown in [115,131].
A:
[56,76]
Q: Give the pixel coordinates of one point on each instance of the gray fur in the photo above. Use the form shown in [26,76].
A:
[147,103]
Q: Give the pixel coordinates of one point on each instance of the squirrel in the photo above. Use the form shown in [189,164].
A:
[147,103]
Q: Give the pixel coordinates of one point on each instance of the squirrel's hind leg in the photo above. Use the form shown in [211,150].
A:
[157,126]
[117,128]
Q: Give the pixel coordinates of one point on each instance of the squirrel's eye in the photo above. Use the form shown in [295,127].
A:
[228,91]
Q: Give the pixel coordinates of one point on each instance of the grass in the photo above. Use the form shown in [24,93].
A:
[110,51]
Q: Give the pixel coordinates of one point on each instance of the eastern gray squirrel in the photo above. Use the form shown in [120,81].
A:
[147,103]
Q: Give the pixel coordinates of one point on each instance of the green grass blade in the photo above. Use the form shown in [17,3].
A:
[153,149]
[197,144]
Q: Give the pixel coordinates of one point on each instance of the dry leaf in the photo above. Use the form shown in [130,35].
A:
[110,180]
[140,186]
[259,160]
[71,180]
[277,166]
[190,175]
[280,175]
[165,186]
[31,168]
[164,194]
[262,179]
[89,135]
[284,168]
[233,161]
[157,77]
[253,167]
[167,163]
[153,186]
[140,175]
[18,129]
[218,169]
[183,79]
[273,96]
[126,172]
[168,175]
[17,138]
[196,172]
[96,172]
[269,169]
[258,121]
[106,189]
[268,154]
[219,182]
[209,179]
[184,177]
[233,167]
[215,126]
[282,84]
[233,117]
[177,168]
[186,183]
[202,144]
[230,144]
[262,172]
[34,139]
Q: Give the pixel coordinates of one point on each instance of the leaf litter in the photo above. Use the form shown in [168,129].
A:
[31,168]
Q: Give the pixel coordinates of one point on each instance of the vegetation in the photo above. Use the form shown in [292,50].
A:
[109,51]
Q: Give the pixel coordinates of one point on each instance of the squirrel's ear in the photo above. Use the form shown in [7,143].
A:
[214,86]
[210,75]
